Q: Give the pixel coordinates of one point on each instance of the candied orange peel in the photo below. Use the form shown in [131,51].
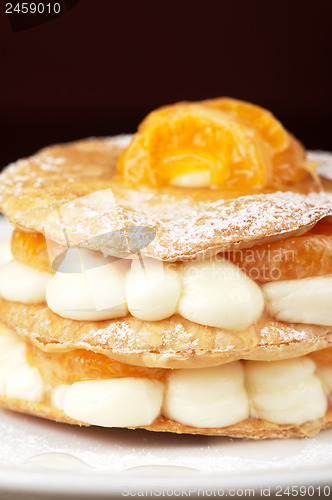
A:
[223,143]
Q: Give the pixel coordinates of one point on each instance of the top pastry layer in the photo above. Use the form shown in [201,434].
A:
[76,187]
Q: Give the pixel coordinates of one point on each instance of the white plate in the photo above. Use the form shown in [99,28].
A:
[46,457]
[38,457]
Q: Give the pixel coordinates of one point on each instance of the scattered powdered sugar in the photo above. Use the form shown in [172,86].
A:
[67,178]
[79,179]
[126,340]
[287,334]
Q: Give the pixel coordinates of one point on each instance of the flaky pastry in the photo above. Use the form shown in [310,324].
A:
[170,280]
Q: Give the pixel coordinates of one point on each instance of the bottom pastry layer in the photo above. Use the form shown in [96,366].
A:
[249,428]
[252,399]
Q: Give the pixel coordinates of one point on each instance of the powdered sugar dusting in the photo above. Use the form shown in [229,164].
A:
[287,334]
[80,179]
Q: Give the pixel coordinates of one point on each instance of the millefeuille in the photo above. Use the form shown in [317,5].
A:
[179,280]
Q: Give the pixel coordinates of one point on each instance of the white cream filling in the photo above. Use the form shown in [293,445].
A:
[10,362]
[94,294]
[305,300]
[198,178]
[219,294]
[213,293]
[58,395]
[275,375]
[8,340]
[21,283]
[18,379]
[295,399]
[210,293]
[152,289]
[325,375]
[283,392]
[207,397]
[122,402]
[25,382]
[5,251]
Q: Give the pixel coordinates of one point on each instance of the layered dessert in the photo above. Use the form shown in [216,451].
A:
[179,280]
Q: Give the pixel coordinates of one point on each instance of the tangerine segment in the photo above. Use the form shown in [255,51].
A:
[293,258]
[31,249]
[270,129]
[242,146]
[69,367]
[188,138]
[288,150]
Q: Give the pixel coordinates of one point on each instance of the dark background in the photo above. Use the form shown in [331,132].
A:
[102,66]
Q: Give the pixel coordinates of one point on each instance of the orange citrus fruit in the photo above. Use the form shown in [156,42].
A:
[31,249]
[270,129]
[70,367]
[236,146]
[293,258]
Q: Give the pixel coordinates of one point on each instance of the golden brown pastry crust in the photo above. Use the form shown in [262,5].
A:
[171,343]
[250,428]
[189,223]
